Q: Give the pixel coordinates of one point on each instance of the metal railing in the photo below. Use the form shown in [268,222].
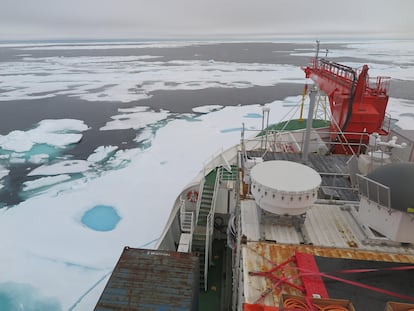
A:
[378,85]
[386,123]
[200,194]
[374,191]
[186,218]
[337,69]
[292,141]
[237,301]
[228,176]
[210,229]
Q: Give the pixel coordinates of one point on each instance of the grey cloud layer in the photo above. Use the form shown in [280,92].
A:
[21,19]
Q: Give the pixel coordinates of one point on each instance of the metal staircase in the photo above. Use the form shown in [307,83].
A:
[199,235]
[203,231]
[226,175]
[186,218]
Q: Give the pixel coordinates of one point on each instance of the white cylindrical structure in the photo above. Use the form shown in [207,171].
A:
[284,187]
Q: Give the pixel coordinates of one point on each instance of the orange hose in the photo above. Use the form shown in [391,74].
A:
[295,304]
[298,305]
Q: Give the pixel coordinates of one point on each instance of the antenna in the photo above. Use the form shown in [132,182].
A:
[317,49]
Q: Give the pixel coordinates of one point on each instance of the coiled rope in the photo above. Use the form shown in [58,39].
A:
[299,305]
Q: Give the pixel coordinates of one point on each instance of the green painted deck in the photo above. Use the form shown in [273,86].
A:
[218,296]
[296,124]
[210,179]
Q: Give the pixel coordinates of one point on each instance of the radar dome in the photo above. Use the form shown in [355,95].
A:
[284,187]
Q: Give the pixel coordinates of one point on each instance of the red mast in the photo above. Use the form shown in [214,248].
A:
[357,102]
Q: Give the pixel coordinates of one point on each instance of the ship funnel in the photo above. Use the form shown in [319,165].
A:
[284,187]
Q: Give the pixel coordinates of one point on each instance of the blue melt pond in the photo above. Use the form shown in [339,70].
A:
[101,218]
[253,115]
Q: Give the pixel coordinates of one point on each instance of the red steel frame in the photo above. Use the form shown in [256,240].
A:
[357,102]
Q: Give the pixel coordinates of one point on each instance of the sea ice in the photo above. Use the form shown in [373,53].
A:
[39,158]
[136,118]
[130,78]
[63,167]
[44,181]
[102,153]
[104,46]
[3,172]
[207,109]
[58,133]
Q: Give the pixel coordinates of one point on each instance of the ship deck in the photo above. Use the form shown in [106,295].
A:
[265,256]
[332,234]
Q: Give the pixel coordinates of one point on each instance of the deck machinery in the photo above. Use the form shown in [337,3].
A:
[357,102]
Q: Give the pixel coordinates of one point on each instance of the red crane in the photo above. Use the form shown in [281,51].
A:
[357,102]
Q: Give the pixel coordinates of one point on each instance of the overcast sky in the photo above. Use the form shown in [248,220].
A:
[134,19]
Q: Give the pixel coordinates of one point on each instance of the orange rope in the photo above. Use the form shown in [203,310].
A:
[295,304]
[298,305]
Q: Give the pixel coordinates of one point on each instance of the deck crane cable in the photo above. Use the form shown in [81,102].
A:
[292,112]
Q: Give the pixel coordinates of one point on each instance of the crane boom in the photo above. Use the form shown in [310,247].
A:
[357,102]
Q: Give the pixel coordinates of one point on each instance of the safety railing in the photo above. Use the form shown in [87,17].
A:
[293,141]
[386,123]
[210,229]
[186,218]
[379,85]
[374,191]
[226,175]
[338,70]
[200,194]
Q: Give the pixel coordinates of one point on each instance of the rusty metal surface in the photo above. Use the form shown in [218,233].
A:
[152,280]
[262,256]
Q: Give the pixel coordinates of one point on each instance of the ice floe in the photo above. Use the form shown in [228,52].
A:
[3,172]
[102,153]
[134,118]
[106,46]
[130,78]
[39,158]
[58,133]
[62,167]
[44,182]
[207,109]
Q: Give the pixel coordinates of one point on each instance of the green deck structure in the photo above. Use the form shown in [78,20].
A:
[218,295]
[296,124]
